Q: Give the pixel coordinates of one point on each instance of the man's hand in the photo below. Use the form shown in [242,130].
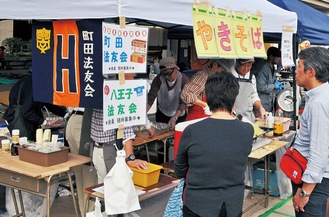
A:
[172,123]
[151,131]
[263,113]
[139,164]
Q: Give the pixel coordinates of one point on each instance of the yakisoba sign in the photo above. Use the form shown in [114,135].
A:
[227,34]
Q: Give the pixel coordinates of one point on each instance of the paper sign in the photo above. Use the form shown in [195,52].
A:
[256,36]
[124,104]
[124,49]
[241,36]
[286,49]
[203,32]
[224,34]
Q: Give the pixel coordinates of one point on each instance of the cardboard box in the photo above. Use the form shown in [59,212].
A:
[145,178]
[43,159]
[258,181]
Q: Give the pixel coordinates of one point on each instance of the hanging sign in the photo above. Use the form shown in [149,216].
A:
[256,36]
[124,49]
[220,33]
[224,33]
[124,103]
[241,36]
[203,31]
[286,47]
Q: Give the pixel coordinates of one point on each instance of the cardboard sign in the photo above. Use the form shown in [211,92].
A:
[124,49]
[124,104]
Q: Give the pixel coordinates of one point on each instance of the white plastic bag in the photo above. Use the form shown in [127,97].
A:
[119,191]
[34,205]
[97,212]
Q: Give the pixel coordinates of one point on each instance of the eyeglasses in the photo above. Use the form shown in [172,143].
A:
[167,71]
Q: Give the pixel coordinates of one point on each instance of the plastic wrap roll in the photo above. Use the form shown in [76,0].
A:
[46,135]
[39,136]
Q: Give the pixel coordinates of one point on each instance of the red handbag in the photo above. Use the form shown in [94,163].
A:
[293,164]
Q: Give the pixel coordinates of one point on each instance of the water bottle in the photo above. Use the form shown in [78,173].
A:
[278,123]
[269,123]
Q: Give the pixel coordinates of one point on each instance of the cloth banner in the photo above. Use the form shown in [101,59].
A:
[67,63]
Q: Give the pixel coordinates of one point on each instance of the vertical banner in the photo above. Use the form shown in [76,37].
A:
[286,48]
[241,36]
[124,49]
[203,32]
[256,35]
[224,33]
[124,104]
[66,66]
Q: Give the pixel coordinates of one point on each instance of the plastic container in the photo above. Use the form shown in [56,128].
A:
[5,145]
[278,123]
[145,178]
[15,136]
[269,123]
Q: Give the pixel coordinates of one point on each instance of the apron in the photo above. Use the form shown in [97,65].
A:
[243,104]
[196,111]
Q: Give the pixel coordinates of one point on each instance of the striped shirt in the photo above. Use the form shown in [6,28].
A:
[97,133]
[195,89]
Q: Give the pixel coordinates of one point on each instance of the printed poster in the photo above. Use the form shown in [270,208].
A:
[124,104]
[124,49]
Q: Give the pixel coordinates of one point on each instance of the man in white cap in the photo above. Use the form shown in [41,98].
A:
[248,98]
[167,87]
[193,94]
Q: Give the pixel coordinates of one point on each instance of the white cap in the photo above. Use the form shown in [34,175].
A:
[5,141]
[15,132]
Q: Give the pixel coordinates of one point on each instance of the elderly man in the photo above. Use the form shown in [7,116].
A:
[193,93]
[167,87]
[248,98]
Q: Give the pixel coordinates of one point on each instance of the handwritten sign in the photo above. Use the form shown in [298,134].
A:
[124,104]
[219,33]
[124,49]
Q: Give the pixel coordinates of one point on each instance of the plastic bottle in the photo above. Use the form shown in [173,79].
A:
[14,142]
[278,123]
[269,123]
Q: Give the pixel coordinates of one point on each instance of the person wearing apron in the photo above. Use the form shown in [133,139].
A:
[248,97]
[167,87]
[193,94]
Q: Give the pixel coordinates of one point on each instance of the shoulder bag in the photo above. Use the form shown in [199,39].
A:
[293,164]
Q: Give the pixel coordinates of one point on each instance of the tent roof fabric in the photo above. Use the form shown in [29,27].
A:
[169,13]
[313,25]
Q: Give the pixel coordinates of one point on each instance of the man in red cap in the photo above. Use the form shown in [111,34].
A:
[248,98]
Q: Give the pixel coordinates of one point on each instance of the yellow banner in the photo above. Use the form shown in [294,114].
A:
[256,35]
[220,33]
[241,36]
[203,32]
[224,34]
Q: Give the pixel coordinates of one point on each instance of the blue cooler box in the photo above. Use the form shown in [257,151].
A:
[258,181]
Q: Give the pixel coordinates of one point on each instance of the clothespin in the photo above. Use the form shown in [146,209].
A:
[122,22]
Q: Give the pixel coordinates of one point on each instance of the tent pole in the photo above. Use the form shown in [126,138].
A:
[295,114]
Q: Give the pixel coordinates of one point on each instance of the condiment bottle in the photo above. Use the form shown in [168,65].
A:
[269,123]
[14,142]
[278,123]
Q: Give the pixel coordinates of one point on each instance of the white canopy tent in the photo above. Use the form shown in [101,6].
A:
[167,13]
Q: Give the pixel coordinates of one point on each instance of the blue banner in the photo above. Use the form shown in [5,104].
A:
[67,63]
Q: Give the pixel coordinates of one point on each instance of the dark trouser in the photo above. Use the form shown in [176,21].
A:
[162,118]
[2,198]
[316,206]
[188,213]
[110,153]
